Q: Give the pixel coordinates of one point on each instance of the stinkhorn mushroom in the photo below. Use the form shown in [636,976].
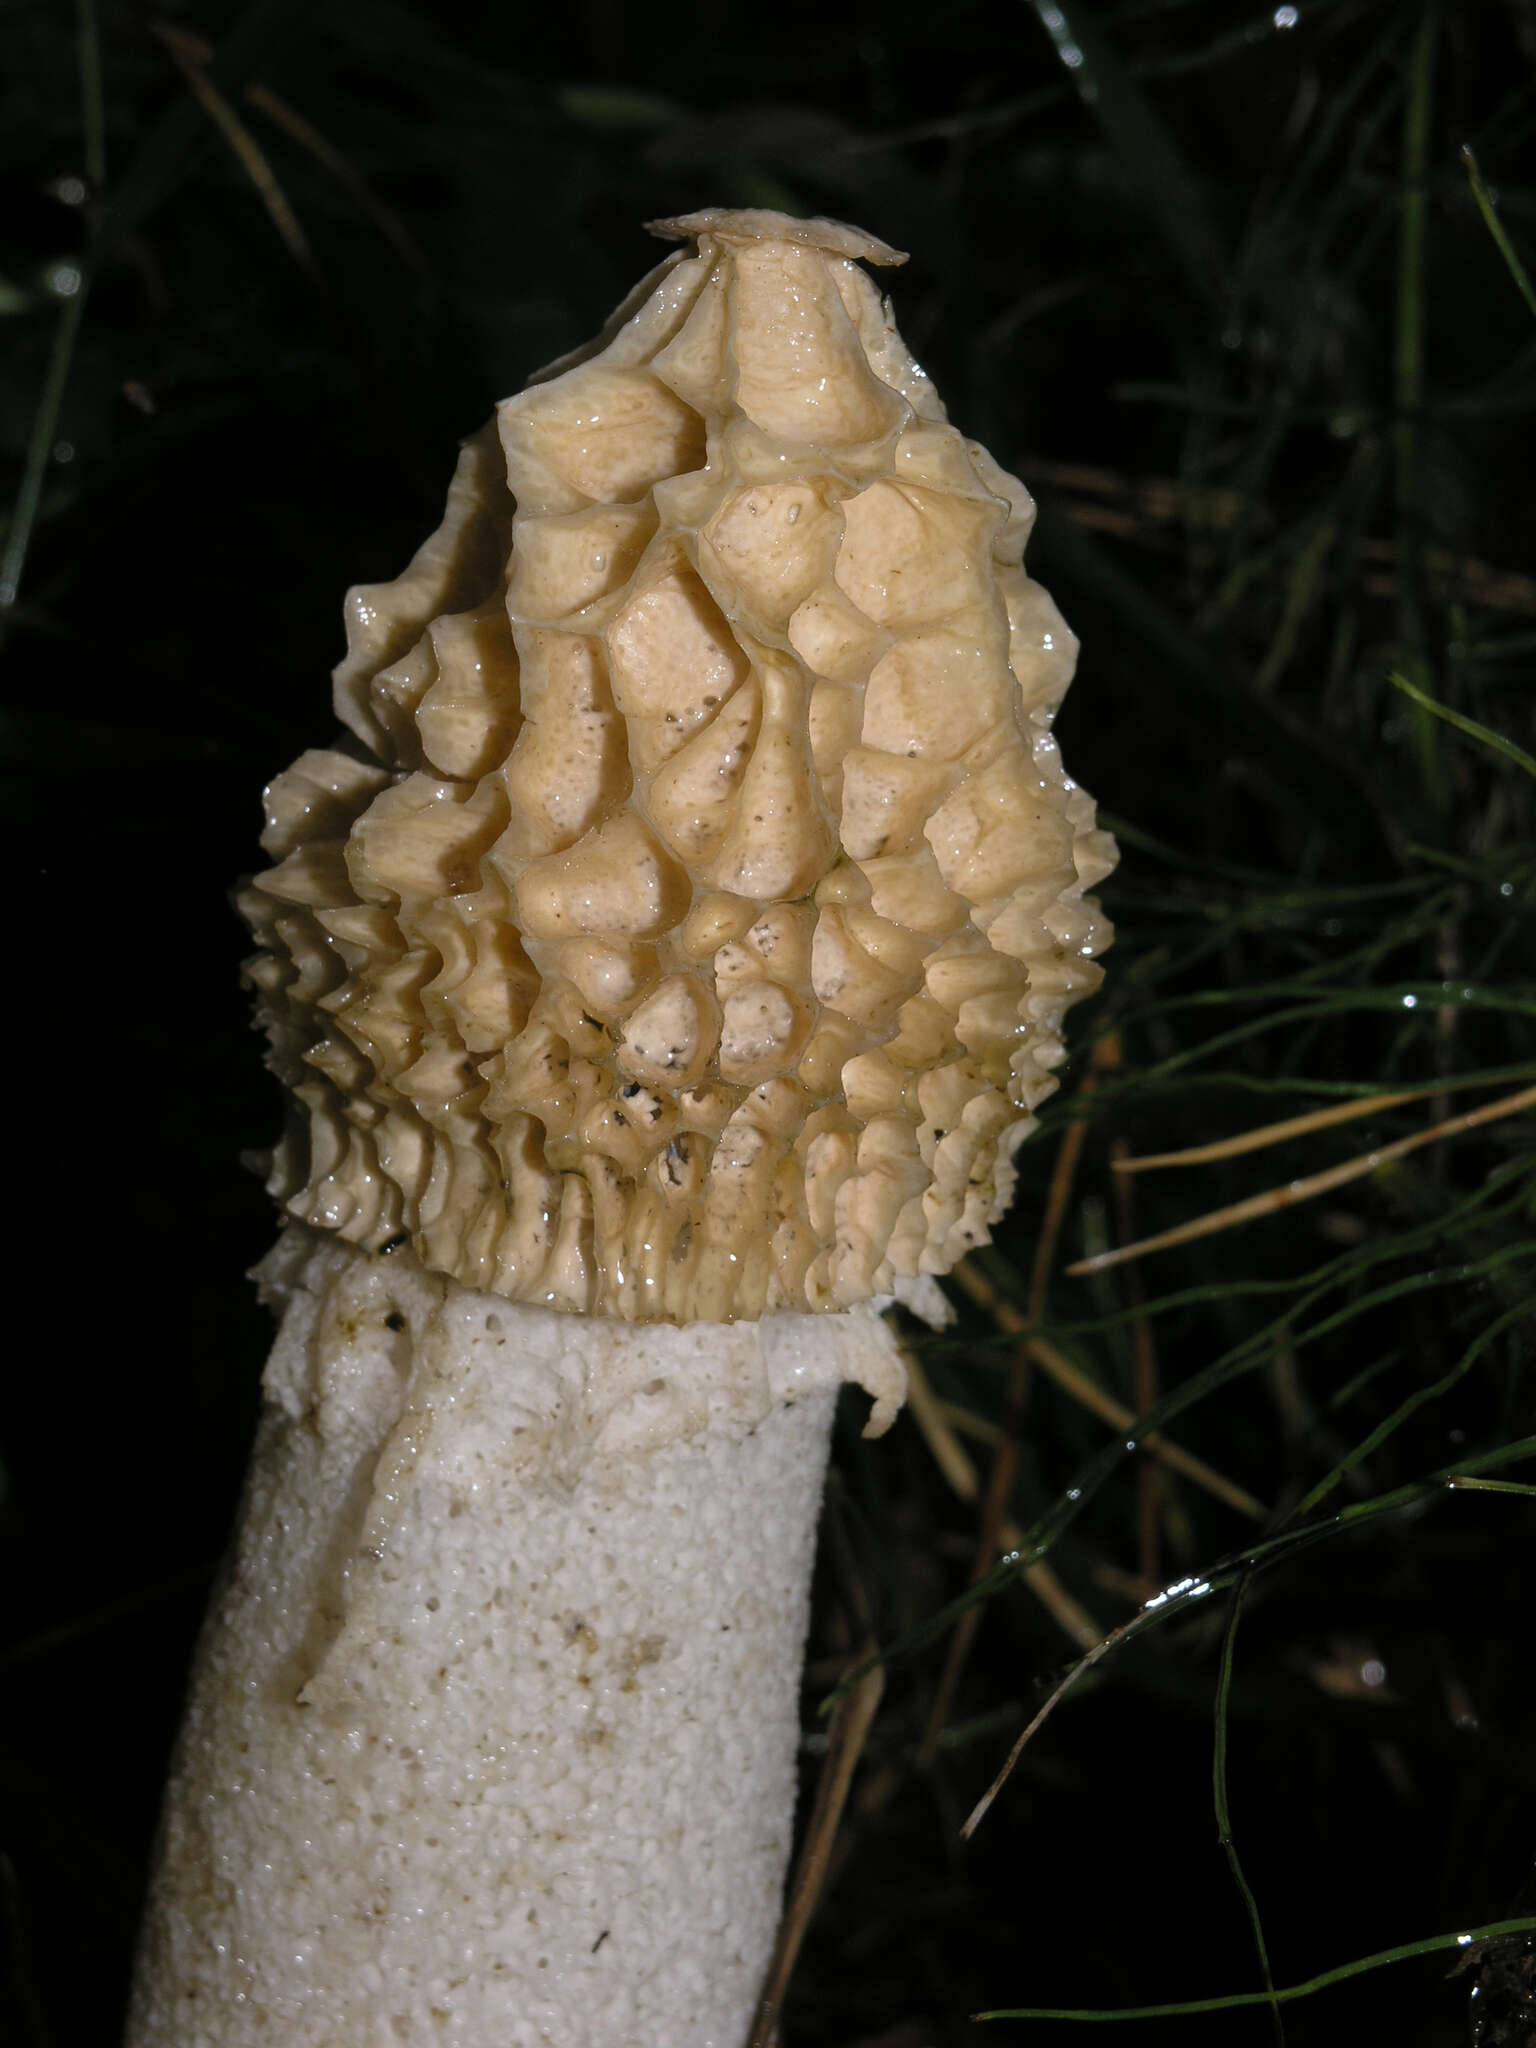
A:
[663,972]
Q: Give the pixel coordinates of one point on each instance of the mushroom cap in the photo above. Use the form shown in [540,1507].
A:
[685,927]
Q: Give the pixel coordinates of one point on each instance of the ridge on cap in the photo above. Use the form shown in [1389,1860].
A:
[684,926]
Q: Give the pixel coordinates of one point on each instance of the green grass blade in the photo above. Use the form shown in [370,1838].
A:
[1430,1944]
[1155,169]
[93,122]
[1415,1401]
[29,496]
[1223,1805]
[1408,379]
[150,177]
[1470,726]
[1495,227]
[1090,1477]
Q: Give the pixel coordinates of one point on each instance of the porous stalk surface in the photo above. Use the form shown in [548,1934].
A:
[491,1735]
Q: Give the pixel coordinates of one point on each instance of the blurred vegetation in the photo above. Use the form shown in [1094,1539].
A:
[1217,280]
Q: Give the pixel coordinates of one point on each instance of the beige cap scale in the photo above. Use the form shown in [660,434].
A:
[690,933]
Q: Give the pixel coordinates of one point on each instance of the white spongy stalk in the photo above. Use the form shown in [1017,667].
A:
[491,1734]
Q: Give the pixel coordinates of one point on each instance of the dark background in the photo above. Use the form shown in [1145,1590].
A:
[1212,278]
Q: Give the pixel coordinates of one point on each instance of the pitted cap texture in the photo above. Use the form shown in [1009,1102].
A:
[685,929]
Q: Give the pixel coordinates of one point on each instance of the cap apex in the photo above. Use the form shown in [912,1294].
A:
[760,224]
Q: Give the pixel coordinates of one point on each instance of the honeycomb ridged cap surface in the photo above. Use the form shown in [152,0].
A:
[685,926]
